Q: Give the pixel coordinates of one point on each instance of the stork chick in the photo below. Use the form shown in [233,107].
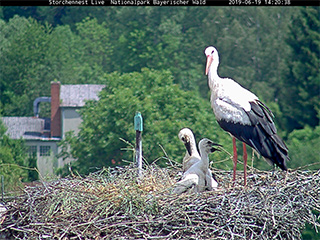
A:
[192,156]
[198,176]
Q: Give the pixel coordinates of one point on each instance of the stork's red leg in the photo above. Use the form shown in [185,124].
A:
[245,159]
[235,158]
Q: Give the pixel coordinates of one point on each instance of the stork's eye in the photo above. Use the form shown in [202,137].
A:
[212,51]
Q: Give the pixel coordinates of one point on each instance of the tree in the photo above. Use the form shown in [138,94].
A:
[94,50]
[165,109]
[83,44]
[300,102]
[12,160]
[48,54]
[304,147]
[23,11]
[24,67]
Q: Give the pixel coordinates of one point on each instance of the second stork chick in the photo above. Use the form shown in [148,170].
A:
[192,156]
[198,176]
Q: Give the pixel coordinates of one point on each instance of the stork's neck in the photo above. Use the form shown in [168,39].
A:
[193,148]
[204,157]
[213,76]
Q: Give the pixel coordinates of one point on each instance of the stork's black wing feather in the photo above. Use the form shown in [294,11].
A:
[261,134]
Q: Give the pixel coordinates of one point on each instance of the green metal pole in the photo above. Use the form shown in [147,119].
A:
[138,126]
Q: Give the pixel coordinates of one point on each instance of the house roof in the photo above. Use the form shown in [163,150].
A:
[28,128]
[76,95]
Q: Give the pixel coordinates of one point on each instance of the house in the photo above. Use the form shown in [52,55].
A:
[41,135]
[35,132]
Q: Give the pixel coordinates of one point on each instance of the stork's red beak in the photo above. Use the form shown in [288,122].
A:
[209,61]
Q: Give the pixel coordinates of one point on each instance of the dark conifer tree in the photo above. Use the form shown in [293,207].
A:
[300,100]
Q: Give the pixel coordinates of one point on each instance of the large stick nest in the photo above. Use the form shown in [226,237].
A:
[111,204]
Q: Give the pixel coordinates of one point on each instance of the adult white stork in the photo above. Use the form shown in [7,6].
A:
[241,113]
[196,176]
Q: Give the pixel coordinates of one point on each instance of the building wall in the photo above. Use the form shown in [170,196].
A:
[70,120]
[45,152]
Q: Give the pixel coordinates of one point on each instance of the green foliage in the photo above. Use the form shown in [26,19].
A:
[304,147]
[23,66]
[301,100]
[165,109]
[12,160]
[273,52]
[251,43]
[48,54]
[309,232]
[94,50]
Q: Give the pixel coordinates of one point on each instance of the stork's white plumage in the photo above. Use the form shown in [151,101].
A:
[239,112]
[198,176]
[192,156]
[206,146]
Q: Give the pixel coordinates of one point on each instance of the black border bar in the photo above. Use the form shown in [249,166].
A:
[159,3]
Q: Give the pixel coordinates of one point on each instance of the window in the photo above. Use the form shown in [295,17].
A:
[45,150]
[32,151]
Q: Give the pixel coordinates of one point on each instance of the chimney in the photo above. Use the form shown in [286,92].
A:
[55,110]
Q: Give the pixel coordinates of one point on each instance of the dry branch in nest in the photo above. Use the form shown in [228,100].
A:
[110,204]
